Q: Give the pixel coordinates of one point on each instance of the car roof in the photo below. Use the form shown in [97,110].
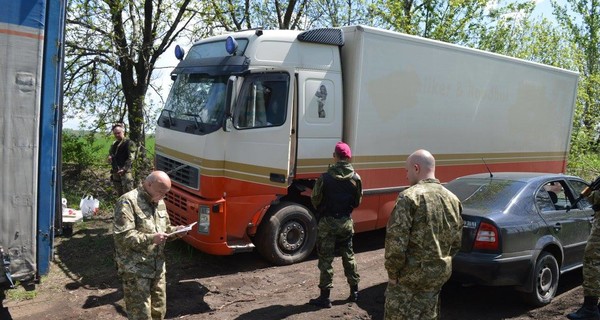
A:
[519,176]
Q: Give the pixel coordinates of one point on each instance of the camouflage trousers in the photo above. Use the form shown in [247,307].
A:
[402,303]
[123,183]
[591,261]
[336,235]
[145,298]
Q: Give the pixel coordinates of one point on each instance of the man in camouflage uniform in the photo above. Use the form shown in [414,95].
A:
[141,228]
[423,234]
[121,156]
[335,194]
[591,266]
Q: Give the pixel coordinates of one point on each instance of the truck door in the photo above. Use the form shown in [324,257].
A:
[320,119]
[259,148]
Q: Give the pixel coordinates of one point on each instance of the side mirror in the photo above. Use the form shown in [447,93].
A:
[231,97]
[228,126]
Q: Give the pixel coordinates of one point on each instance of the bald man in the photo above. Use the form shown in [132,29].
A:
[423,234]
[140,231]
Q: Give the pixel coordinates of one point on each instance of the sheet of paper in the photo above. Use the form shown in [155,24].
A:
[183,230]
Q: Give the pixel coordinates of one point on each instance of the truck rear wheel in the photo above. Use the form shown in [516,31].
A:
[287,234]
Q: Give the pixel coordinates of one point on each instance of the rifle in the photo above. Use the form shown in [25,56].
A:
[594,185]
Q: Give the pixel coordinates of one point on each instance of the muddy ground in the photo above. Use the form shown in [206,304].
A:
[83,284]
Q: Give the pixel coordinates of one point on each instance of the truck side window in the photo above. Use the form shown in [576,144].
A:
[262,102]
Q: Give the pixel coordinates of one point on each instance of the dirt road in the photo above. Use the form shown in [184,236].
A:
[83,285]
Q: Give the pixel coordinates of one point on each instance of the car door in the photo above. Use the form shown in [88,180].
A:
[569,227]
[583,212]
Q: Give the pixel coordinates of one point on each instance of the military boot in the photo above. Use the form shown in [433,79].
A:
[353,293]
[586,312]
[322,301]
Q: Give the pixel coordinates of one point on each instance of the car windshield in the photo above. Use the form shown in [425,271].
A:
[485,193]
[198,101]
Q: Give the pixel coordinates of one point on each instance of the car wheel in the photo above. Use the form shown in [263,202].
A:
[287,234]
[545,280]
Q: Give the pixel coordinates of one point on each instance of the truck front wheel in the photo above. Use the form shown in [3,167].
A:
[287,234]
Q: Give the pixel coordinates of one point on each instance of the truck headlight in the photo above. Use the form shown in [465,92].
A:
[203,219]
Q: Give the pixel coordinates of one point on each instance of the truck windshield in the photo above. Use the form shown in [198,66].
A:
[196,104]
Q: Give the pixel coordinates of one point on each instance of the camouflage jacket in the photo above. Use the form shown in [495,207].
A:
[594,199]
[341,170]
[423,233]
[137,219]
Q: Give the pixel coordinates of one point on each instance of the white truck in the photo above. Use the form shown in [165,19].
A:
[252,119]
[31,36]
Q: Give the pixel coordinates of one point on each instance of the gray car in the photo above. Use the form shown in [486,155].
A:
[521,229]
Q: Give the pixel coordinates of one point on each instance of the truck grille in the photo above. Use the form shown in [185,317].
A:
[176,201]
[179,202]
[179,172]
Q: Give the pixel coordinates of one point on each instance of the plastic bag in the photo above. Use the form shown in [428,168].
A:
[89,206]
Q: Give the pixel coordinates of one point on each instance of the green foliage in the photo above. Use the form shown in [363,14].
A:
[111,49]
[449,21]
[86,171]
[80,149]
[579,18]
[583,160]
[337,13]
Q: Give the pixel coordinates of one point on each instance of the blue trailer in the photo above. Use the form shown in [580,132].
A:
[31,71]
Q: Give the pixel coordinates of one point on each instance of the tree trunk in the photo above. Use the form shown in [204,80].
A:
[135,111]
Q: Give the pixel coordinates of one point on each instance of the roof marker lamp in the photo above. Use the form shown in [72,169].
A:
[179,52]
[231,45]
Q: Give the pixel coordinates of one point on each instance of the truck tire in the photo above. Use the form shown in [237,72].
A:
[287,234]
[545,281]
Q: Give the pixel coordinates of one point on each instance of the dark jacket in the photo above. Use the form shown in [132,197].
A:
[122,153]
[338,191]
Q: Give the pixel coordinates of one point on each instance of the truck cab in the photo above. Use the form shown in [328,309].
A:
[231,138]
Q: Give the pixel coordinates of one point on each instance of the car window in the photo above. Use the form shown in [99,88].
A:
[578,187]
[558,193]
[491,194]
[545,201]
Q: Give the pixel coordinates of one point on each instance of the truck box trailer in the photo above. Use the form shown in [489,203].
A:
[253,116]
[31,36]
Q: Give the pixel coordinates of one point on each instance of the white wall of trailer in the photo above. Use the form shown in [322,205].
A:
[413,93]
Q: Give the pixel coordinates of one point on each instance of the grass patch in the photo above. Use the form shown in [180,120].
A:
[20,294]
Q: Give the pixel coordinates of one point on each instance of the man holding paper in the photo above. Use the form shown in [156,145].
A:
[141,228]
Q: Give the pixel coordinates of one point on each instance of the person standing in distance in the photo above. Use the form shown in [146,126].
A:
[423,234]
[140,230]
[591,265]
[336,193]
[121,156]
